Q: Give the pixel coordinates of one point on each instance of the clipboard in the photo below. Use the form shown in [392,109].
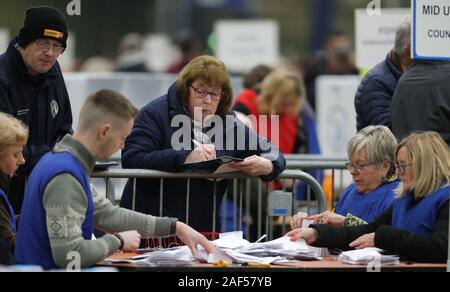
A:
[210,166]
[104,165]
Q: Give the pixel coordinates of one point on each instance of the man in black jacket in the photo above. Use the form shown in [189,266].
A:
[374,96]
[422,100]
[32,88]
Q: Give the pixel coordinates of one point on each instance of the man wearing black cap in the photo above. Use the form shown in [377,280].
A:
[32,88]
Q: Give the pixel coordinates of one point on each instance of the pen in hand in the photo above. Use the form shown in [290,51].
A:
[208,150]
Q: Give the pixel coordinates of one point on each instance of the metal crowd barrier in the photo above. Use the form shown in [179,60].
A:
[320,162]
[240,186]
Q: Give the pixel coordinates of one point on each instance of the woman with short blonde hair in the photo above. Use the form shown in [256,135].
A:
[13,137]
[371,153]
[415,227]
[12,131]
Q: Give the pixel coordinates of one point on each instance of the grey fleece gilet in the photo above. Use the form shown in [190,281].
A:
[65,204]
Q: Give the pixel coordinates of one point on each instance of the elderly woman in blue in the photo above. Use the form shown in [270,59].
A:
[371,154]
[416,225]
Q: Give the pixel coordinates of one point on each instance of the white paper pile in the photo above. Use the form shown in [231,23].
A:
[367,256]
[282,247]
[232,248]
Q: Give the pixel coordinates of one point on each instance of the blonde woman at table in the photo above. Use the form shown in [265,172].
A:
[416,225]
[371,154]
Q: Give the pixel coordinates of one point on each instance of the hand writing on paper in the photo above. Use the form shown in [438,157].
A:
[202,153]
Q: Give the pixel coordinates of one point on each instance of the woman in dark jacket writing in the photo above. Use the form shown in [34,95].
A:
[193,123]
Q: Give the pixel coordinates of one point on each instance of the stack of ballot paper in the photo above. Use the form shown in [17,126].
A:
[282,247]
[232,248]
[367,256]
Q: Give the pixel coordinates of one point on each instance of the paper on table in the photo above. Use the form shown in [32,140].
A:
[178,254]
[321,252]
[234,256]
[366,256]
[282,243]
[283,247]
[231,240]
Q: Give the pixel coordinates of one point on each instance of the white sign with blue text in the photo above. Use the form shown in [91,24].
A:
[430,29]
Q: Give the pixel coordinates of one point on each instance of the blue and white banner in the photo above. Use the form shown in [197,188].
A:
[430,29]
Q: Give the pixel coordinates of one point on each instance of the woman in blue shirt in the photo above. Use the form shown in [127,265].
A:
[416,225]
[371,154]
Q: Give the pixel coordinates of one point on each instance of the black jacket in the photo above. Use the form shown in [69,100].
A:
[41,102]
[374,95]
[422,100]
[412,247]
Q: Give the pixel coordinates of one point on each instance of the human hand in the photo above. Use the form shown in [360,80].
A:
[254,165]
[308,234]
[192,238]
[328,218]
[131,240]
[367,240]
[297,220]
[202,153]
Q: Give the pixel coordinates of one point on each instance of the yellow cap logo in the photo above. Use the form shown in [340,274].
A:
[54,34]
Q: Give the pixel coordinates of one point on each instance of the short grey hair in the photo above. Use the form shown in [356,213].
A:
[403,36]
[378,141]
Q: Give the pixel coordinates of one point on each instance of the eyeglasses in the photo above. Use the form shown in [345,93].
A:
[358,167]
[401,167]
[202,94]
[45,45]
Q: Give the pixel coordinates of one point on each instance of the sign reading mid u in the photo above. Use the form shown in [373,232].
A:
[431,29]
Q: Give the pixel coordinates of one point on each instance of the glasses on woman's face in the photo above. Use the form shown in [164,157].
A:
[358,167]
[401,167]
[45,45]
[202,93]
